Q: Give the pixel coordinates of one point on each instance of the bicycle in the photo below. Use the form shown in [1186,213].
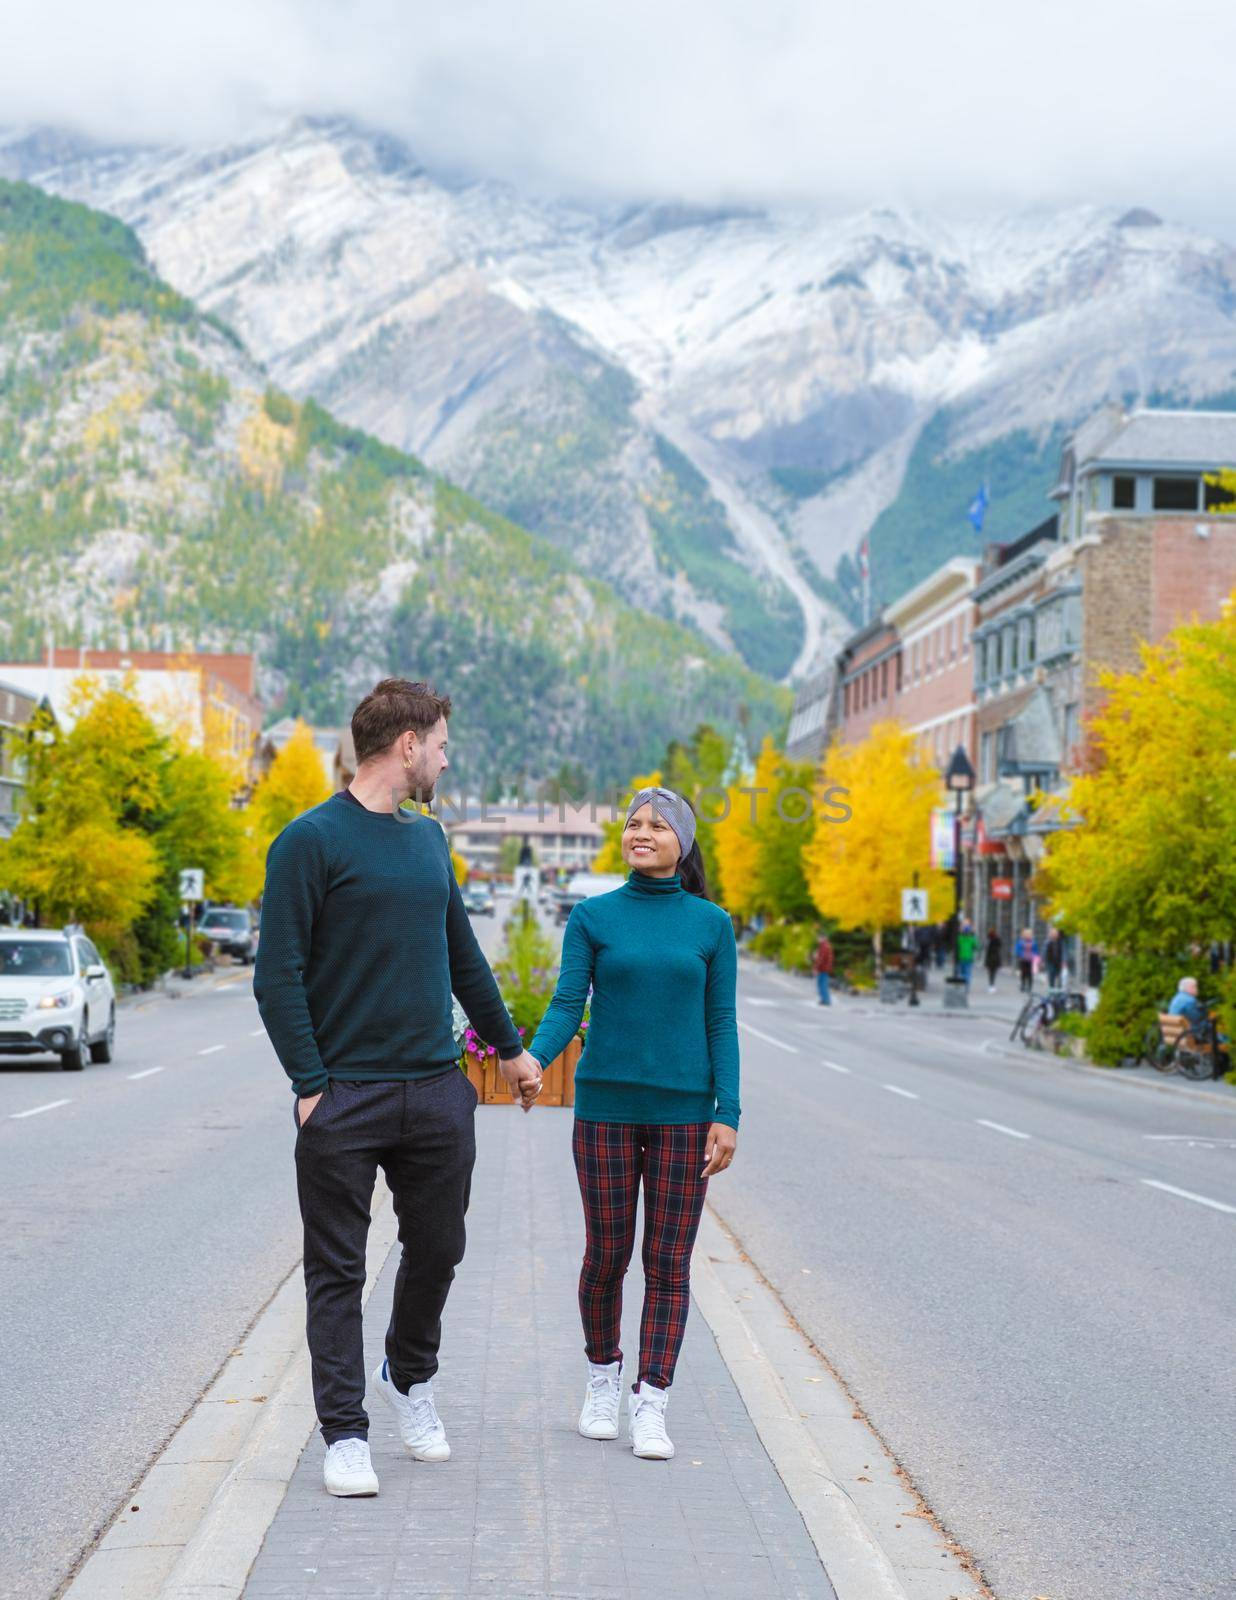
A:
[1040,1014]
[1175,1044]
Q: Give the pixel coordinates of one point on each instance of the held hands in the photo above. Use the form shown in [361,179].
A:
[523,1074]
[720,1148]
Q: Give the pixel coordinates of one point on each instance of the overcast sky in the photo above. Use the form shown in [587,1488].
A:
[964,104]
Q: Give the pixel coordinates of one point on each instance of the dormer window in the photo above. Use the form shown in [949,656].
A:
[1124,492]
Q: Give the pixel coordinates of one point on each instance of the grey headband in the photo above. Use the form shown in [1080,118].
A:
[671,808]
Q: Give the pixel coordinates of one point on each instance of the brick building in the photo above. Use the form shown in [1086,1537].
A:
[869,679]
[934,622]
[207,698]
[1141,543]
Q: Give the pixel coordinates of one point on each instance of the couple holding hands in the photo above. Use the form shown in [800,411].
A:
[364,940]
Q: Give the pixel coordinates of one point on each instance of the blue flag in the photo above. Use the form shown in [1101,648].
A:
[978,508]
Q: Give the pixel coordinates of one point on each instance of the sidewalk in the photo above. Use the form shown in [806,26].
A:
[526,1507]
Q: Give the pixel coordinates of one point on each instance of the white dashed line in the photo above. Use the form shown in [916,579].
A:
[1187,1194]
[999,1127]
[35,1110]
[904,1093]
[791,1049]
[212,1049]
[834,1066]
[148,1073]
[257,1033]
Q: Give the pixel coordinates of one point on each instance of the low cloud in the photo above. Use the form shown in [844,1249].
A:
[966,104]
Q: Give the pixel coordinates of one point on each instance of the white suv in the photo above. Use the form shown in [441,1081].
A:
[55,995]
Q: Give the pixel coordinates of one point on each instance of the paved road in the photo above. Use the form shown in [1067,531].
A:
[1026,1274]
[149,1214]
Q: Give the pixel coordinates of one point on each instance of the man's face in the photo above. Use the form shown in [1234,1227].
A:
[428,757]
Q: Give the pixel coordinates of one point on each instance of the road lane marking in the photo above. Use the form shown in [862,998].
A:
[1187,1194]
[835,1066]
[35,1110]
[1000,1127]
[893,1089]
[792,1049]
[1207,1141]
[212,1049]
[148,1073]
[257,1033]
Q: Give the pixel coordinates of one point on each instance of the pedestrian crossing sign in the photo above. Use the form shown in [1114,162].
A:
[914,905]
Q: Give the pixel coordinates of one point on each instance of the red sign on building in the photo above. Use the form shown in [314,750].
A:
[1002,888]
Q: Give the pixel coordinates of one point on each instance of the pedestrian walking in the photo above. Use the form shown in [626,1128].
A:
[822,965]
[656,1098]
[1053,957]
[1026,952]
[364,938]
[993,954]
[967,944]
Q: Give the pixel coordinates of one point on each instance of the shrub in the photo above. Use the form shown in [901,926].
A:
[1135,989]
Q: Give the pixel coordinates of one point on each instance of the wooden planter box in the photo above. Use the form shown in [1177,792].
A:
[559,1088]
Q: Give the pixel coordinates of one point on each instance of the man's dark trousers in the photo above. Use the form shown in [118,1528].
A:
[421,1134]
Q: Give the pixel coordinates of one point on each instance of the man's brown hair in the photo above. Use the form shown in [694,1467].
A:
[392,707]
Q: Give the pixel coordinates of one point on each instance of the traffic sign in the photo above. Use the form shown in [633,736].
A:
[914,905]
[192,883]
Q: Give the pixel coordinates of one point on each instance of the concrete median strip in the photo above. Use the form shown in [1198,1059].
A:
[874,1537]
[195,1523]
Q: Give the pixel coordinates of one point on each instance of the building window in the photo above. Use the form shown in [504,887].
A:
[845,700]
[1012,650]
[995,653]
[884,681]
[1124,492]
[1175,494]
[1072,728]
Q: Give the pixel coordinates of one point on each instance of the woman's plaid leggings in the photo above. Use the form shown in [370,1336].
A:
[611,1158]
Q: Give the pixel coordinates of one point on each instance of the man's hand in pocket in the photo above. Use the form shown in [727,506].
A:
[304,1108]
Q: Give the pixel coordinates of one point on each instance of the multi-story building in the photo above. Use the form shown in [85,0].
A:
[17,706]
[813,720]
[934,622]
[869,679]
[563,836]
[208,699]
[1144,540]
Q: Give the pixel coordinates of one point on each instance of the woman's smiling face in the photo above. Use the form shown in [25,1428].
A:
[649,843]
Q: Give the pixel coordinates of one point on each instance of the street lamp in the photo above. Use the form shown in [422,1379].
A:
[959,778]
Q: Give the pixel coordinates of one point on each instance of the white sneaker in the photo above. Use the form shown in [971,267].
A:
[602,1401]
[419,1424]
[348,1469]
[646,1415]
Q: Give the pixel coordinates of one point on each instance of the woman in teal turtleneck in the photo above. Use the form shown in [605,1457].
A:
[656,1097]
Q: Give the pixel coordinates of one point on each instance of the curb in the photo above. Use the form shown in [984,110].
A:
[875,1537]
[195,1523]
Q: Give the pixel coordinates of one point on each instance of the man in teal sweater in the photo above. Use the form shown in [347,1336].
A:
[364,939]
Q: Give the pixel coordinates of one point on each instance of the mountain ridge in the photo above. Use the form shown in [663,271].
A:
[447,316]
[157,490]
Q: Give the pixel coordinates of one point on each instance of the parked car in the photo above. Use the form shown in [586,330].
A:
[232,930]
[56,996]
[582,886]
[478,899]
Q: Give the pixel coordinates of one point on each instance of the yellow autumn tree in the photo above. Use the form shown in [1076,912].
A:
[856,866]
[1149,865]
[737,843]
[296,782]
[459,867]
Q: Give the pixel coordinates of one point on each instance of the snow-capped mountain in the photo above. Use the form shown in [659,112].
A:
[709,407]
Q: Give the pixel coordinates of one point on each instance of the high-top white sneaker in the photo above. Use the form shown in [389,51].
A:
[419,1424]
[646,1415]
[348,1469]
[602,1401]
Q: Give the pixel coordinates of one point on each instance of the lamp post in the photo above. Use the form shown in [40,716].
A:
[959,779]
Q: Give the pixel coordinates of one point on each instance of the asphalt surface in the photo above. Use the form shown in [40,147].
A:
[1039,1326]
[149,1215]
[991,1249]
